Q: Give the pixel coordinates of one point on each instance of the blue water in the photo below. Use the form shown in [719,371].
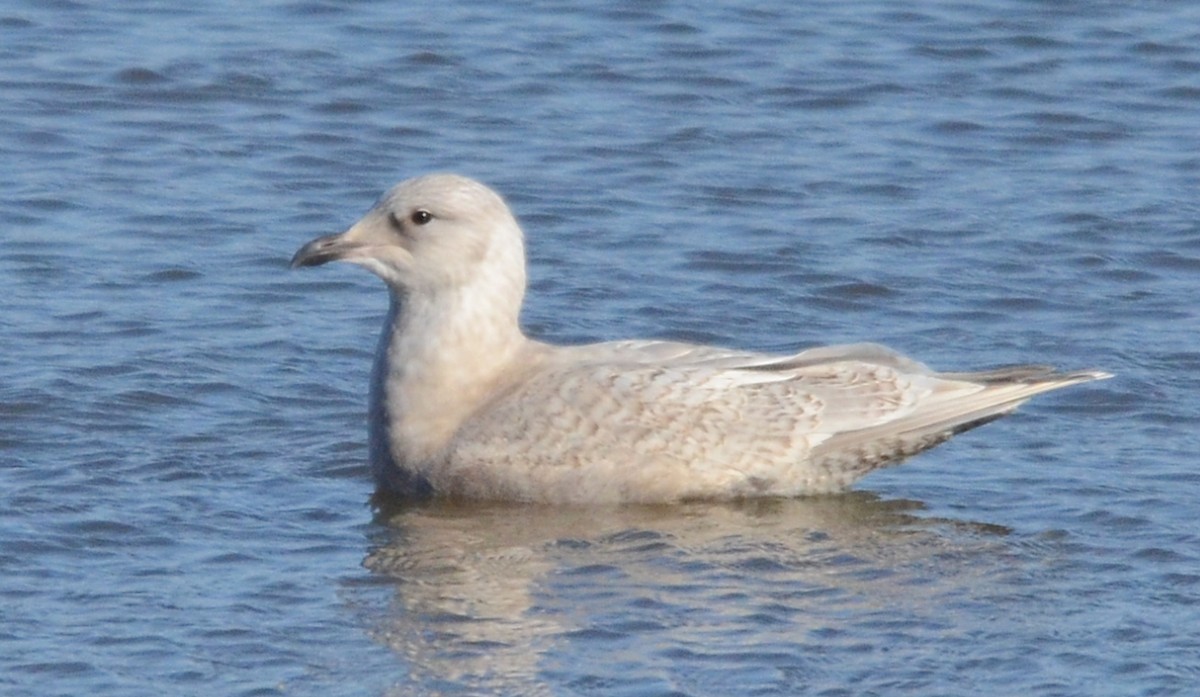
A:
[184,500]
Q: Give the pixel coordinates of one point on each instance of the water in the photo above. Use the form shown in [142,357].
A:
[184,501]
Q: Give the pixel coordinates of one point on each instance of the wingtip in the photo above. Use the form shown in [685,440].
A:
[1088,375]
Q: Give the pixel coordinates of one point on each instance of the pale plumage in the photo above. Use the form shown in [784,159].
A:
[463,404]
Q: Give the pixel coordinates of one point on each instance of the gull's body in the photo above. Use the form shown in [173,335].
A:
[463,404]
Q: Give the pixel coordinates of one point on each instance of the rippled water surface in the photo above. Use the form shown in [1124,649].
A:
[184,501]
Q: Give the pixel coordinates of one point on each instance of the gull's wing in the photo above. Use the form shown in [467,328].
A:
[667,421]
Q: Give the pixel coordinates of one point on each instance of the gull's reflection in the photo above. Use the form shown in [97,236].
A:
[485,592]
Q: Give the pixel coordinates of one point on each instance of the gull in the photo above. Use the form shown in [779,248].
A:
[463,404]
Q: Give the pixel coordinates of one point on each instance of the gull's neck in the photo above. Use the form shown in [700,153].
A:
[437,360]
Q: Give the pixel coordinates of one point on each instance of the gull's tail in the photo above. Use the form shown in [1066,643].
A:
[968,400]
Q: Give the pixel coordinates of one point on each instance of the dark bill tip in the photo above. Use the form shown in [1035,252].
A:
[319,251]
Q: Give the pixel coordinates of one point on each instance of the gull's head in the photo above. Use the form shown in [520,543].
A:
[429,234]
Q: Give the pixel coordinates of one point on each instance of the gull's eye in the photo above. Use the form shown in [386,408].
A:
[420,216]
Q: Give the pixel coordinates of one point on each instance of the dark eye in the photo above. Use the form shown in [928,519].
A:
[420,217]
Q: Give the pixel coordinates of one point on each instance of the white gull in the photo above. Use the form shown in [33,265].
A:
[463,404]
